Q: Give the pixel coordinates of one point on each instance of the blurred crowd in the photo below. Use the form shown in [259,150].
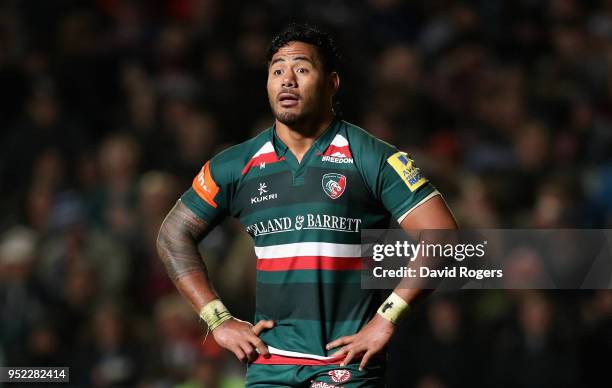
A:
[109,108]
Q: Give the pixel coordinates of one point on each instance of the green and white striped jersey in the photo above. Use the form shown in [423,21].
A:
[306,219]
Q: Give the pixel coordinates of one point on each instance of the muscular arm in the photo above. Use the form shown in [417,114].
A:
[177,246]
[433,214]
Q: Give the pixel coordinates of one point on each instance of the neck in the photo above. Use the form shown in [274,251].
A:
[300,137]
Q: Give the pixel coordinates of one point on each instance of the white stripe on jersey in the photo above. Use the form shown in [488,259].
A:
[289,353]
[308,249]
[430,196]
[265,149]
[339,141]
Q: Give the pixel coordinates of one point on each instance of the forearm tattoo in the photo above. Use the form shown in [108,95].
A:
[177,243]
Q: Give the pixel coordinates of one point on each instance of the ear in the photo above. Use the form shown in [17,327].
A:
[334,83]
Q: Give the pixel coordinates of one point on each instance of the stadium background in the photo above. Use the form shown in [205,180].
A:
[109,108]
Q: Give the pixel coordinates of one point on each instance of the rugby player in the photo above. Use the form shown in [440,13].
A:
[303,189]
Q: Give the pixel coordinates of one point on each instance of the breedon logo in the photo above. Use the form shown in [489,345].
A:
[333,184]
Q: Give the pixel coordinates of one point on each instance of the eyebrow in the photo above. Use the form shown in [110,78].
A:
[300,58]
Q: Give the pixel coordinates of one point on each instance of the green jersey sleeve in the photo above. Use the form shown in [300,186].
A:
[209,196]
[392,176]
[402,186]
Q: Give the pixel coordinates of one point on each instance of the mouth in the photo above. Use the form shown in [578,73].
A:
[288,100]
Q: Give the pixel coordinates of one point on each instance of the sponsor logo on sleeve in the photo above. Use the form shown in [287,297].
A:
[405,168]
[205,186]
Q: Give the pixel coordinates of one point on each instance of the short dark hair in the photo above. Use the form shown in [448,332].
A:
[307,33]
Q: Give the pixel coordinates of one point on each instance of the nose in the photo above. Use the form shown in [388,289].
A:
[289,80]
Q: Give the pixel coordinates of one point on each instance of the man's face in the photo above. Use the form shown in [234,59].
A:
[299,89]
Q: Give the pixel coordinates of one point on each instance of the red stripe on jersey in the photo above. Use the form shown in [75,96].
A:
[310,262]
[269,157]
[344,150]
[275,359]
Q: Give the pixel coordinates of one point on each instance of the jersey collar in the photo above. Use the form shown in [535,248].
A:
[320,144]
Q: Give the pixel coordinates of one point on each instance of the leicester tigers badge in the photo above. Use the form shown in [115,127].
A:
[339,375]
[333,184]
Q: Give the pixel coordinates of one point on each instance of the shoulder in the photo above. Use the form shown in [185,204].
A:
[364,145]
[228,165]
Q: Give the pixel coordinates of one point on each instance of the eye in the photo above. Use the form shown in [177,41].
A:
[277,72]
[302,70]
